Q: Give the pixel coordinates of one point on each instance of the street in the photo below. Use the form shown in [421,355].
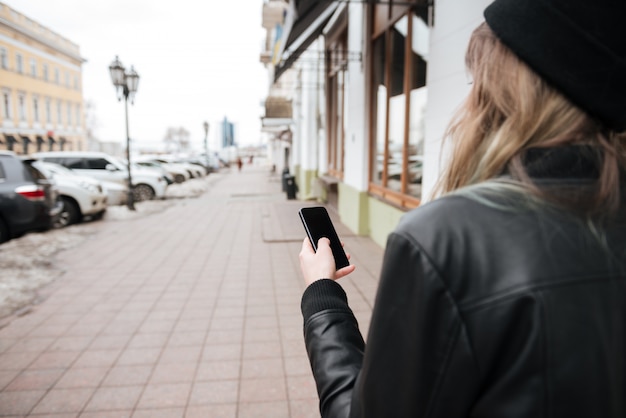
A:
[191,311]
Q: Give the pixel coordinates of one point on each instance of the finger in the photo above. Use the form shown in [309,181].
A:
[323,242]
[307,248]
[342,272]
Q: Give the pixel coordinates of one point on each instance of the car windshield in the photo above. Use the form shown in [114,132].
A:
[118,162]
[38,170]
[58,169]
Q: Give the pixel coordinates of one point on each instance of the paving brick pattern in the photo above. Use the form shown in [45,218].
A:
[190,312]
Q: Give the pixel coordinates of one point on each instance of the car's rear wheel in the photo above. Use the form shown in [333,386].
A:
[69,215]
[143,192]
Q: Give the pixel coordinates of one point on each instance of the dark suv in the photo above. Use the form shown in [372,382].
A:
[29,199]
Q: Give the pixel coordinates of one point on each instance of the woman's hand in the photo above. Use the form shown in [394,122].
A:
[321,264]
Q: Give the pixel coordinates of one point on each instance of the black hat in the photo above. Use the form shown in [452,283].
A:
[578,46]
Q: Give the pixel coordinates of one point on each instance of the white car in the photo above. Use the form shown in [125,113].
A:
[117,194]
[179,174]
[193,170]
[81,195]
[147,184]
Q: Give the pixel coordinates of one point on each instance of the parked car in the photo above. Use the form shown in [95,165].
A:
[117,193]
[193,170]
[147,184]
[81,195]
[200,165]
[179,174]
[29,199]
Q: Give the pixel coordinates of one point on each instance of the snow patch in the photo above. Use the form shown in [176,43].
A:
[27,263]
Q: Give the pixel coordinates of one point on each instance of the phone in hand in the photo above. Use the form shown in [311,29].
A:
[318,225]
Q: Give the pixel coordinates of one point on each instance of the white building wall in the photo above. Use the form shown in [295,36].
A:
[356,163]
[299,128]
[447,80]
[310,109]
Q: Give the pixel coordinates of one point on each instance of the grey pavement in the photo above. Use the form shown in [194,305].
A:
[189,312]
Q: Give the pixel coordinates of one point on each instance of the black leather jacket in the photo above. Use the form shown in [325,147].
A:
[483,310]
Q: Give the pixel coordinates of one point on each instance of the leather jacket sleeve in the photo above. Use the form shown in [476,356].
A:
[334,345]
[417,346]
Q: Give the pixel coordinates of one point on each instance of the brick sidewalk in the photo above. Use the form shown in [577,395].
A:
[190,312]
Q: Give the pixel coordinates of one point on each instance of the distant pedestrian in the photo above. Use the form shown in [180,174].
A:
[239,163]
[506,296]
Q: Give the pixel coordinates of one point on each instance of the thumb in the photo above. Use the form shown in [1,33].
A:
[323,243]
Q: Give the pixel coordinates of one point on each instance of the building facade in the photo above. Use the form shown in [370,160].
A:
[372,86]
[41,98]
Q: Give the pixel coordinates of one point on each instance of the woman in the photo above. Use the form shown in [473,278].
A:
[505,297]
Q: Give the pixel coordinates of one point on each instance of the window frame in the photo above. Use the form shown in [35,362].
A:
[383,19]
[337,56]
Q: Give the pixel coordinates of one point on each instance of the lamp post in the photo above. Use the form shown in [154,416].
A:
[206,147]
[126,83]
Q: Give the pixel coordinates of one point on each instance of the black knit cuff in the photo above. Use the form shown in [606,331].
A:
[321,295]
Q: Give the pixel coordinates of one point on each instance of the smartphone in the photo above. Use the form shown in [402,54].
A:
[318,225]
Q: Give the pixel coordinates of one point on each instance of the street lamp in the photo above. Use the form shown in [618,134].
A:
[126,83]
[206,147]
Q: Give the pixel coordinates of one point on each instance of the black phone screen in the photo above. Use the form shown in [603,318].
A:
[318,224]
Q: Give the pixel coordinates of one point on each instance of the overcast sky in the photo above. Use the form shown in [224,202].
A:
[197,61]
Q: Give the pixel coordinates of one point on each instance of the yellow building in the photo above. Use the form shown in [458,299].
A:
[41,97]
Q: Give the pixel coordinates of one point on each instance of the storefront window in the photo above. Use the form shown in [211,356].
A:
[399,63]
[337,66]
[397,109]
[379,109]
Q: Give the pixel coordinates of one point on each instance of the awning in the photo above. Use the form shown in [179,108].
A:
[305,22]
[278,107]
[275,125]
[10,139]
[25,139]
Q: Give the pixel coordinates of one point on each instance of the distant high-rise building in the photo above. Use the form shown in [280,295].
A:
[41,97]
[228,133]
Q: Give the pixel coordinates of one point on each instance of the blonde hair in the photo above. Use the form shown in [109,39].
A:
[511,109]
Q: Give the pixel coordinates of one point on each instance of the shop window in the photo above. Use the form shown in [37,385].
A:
[398,104]
[337,60]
